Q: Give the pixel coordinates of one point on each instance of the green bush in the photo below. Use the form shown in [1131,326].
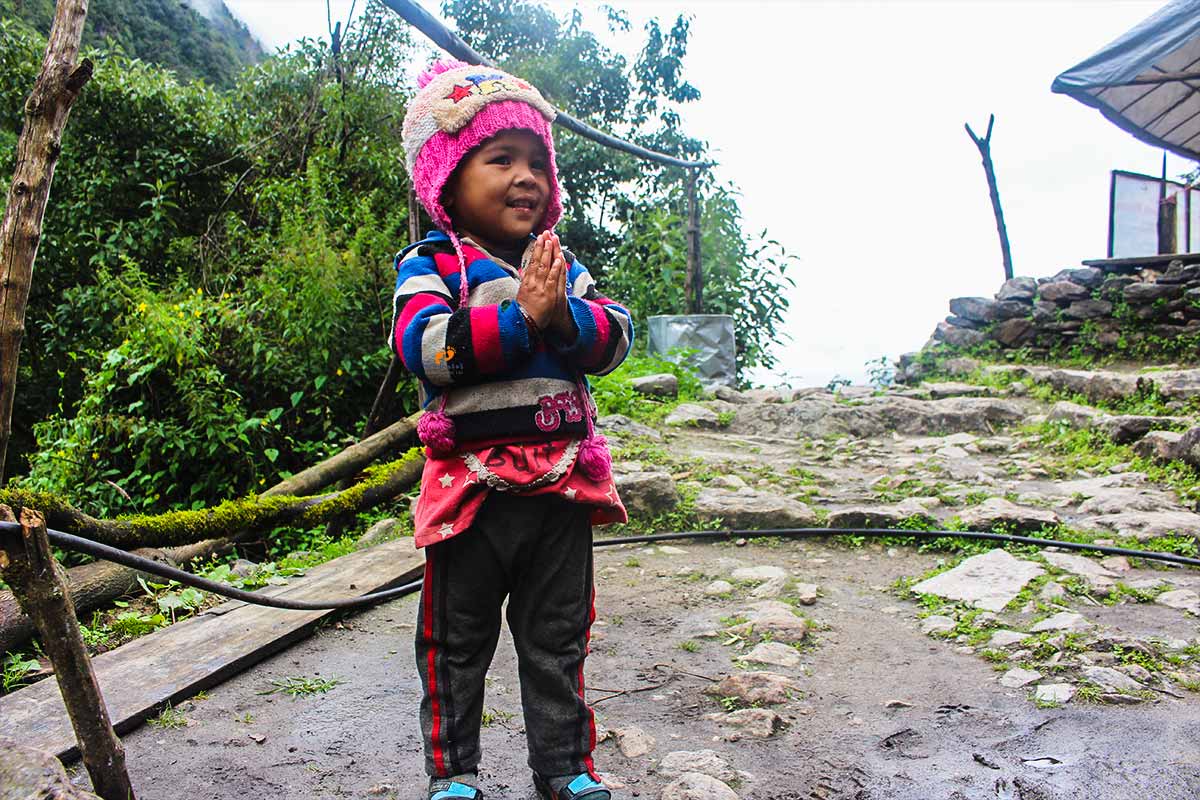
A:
[614,392]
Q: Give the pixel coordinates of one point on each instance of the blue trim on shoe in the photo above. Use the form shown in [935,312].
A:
[456,790]
[582,786]
[582,782]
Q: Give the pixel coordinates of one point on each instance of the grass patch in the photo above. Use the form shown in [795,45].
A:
[298,686]
[169,717]
[493,715]
[17,671]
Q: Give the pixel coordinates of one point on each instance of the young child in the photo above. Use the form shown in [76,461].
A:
[500,324]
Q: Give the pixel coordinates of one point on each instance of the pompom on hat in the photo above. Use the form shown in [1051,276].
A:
[458,107]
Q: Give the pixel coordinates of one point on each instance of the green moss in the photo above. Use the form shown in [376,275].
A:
[46,502]
[226,518]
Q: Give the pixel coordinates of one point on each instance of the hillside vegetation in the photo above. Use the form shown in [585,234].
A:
[170,33]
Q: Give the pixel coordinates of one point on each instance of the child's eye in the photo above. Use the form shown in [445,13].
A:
[501,160]
[538,164]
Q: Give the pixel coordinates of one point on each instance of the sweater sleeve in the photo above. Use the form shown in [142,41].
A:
[445,345]
[604,329]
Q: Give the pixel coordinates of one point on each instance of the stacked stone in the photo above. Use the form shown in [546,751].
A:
[1048,313]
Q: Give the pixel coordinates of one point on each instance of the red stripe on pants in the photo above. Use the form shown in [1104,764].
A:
[587,759]
[439,758]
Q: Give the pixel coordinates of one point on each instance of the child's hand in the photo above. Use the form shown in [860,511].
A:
[543,282]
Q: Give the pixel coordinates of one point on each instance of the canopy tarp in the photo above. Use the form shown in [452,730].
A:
[1148,80]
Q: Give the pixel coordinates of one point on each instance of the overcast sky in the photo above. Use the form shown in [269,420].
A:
[842,122]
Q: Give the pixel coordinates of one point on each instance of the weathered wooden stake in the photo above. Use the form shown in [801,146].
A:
[694,282]
[985,150]
[38,147]
[1167,209]
[28,566]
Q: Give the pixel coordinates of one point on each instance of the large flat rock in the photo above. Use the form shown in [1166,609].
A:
[747,508]
[821,415]
[989,581]
[1144,525]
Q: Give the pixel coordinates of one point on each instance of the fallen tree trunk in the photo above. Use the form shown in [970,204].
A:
[348,462]
[97,584]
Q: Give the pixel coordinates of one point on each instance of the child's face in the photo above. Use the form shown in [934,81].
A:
[500,191]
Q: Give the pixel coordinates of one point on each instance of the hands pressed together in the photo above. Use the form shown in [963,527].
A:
[543,291]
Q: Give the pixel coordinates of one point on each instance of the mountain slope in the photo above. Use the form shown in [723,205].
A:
[212,45]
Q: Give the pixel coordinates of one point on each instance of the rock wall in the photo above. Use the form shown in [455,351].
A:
[1117,310]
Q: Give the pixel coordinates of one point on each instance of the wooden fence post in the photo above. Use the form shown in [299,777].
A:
[694,283]
[28,566]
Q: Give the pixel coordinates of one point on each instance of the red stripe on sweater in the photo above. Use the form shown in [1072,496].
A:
[485,339]
[447,264]
[602,333]
[435,730]
[415,305]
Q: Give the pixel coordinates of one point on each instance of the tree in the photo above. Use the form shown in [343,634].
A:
[38,149]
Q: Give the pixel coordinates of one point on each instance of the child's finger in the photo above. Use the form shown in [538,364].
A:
[558,277]
[560,264]
[535,258]
[548,251]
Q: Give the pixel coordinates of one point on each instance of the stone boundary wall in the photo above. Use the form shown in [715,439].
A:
[1115,310]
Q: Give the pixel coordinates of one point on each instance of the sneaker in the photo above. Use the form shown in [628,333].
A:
[582,787]
[446,789]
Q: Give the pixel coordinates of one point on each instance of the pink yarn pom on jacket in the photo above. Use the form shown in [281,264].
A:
[435,429]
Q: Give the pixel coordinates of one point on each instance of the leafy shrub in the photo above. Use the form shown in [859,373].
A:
[614,393]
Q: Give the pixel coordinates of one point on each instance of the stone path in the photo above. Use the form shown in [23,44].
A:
[789,670]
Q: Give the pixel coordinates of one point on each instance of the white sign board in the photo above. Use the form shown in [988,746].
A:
[1133,215]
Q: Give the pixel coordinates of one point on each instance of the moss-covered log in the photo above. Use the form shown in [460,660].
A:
[229,519]
[349,462]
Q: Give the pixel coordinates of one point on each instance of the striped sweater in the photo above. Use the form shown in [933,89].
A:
[502,385]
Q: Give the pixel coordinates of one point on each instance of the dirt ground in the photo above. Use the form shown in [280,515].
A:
[886,713]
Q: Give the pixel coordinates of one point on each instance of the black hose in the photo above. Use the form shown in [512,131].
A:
[806,533]
[79,544]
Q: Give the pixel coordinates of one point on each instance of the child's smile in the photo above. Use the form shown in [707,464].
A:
[499,194]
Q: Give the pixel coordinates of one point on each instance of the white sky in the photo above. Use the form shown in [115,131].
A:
[842,122]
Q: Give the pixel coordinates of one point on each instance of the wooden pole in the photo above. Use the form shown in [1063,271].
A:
[694,282]
[452,43]
[38,147]
[1167,209]
[985,150]
[29,567]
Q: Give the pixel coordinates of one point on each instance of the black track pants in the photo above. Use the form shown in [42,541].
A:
[537,551]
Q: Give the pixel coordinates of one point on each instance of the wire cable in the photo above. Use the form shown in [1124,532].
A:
[142,564]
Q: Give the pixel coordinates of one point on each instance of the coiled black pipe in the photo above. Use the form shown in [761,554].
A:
[82,545]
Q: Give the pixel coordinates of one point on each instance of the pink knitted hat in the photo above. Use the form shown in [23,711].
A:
[458,107]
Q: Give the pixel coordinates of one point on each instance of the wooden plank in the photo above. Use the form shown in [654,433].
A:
[1142,261]
[174,663]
